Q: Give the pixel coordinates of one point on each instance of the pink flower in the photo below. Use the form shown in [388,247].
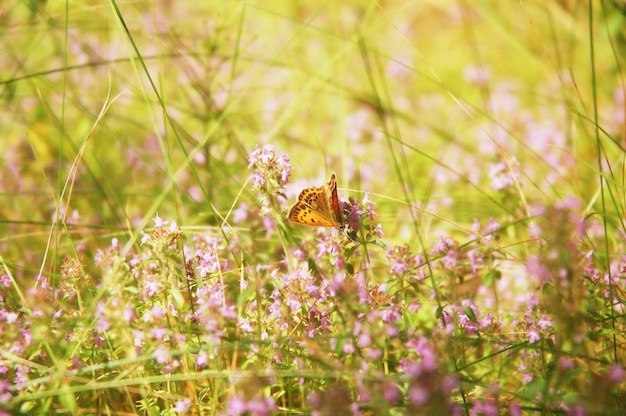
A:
[236,406]
[616,373]
[269,167]
[202,360]
[488,407]
[418,395]
[182,406]
[533,335]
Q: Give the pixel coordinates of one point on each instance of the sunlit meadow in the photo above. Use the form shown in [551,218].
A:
[151,152]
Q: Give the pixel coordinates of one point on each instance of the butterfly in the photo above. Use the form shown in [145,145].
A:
[318,206]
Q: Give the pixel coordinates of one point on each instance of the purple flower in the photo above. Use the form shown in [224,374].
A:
[5,396]
[516,409]
[158,333]
[566,363]
[129,314]
[399,267]
[492,227]
[369,206]
[487,407]
[418,395]
[422,346]
[545,322]
[467,324]
[442,246]
[161,354]
[261,406]
[616,373]
[538,271]
[103,323]
[364,340]
[202,360]
[391,392]
[11,317]
[21,373]
[152,286]
[285,168]
[241,213]
[261,156]
[391,314]
[269,172]
[182,406]
[237,406]
[450,260]
[138,338]
[158,222]
[487,233]
[258,179]
[504,175]
[533,335]
[5,280]
[475,259]
[353,219]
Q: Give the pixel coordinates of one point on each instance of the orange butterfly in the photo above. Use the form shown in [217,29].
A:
[318,206]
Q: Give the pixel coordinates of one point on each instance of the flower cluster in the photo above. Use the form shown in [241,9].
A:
[270,173]
[504,175]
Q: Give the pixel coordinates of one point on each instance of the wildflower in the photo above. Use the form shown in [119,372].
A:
[442,247]
[261,406]
[537,270]
[369,206]
[516,409]
[21,373]
[422,346]
[236,406]
[241,213]
[468,316]
[399,257]
[202,360]
[5,395]
[152,286]
[566,363]
[161,354]
[5,280]
[391,392]
[129,314]
[245,325]
[487,407]
[533,335]
[476,260]
[159,333]
[182,406]
[164,235]
[545,322]
[504,175]
[11,317]
[102,322]
[364,340]
[353,218]
[616,373]
[418,395]
[270,173]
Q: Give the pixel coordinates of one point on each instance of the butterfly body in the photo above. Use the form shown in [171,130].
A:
[318,206]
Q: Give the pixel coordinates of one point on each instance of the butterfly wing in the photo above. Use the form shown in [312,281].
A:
[317,206]
[334,199]
[302,213]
